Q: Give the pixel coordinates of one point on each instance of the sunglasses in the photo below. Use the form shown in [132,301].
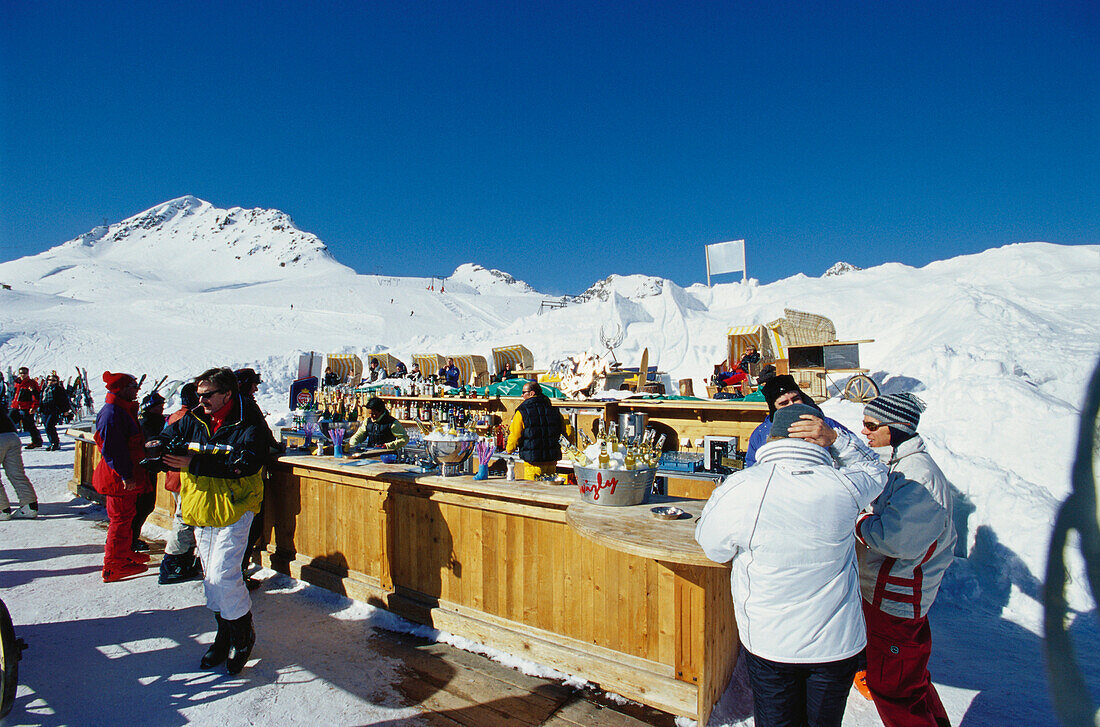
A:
[208,394]
[873,426]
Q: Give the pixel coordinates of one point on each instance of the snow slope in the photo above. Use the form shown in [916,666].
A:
[999,344]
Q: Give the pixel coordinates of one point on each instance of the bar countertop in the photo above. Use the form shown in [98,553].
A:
[631,529]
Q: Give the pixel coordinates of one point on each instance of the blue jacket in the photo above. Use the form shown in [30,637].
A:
[450,375]
[759,437]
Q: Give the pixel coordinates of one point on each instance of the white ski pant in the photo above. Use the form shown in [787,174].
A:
[11,455]
[181,539]
[222,551]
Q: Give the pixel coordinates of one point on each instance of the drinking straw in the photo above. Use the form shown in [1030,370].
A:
[485,451]
[337,435]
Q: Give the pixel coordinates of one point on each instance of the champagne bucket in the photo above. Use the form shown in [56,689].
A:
[449,454]
[614,488]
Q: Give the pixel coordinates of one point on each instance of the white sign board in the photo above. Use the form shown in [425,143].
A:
[725,257]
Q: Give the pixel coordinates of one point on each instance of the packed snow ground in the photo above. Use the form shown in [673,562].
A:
[999,344]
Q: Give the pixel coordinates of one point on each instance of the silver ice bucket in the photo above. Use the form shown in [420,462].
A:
[449,453]
[615,488]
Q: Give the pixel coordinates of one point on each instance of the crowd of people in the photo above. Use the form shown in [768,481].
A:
[837,546]
[214,449]
[46,401]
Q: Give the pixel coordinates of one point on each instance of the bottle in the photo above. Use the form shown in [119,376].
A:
[572,452]
[604,460]
[628,459]
[613,436]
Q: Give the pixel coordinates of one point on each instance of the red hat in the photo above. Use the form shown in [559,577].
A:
[117,382]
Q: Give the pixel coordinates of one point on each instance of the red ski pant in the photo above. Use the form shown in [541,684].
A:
[897,670]
[120,536]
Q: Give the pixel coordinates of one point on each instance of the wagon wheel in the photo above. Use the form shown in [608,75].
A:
[860,389]
[11,649]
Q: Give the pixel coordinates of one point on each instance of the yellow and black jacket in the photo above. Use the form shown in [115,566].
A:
[218,489]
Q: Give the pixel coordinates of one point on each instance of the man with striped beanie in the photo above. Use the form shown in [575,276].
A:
[907,537]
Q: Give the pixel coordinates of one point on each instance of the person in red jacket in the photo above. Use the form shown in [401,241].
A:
[24,400]
[118,476]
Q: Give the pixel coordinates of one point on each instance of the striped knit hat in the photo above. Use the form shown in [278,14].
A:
[900,411]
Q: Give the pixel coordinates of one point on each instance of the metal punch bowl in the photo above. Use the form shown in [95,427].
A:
[449,453]
[614,488]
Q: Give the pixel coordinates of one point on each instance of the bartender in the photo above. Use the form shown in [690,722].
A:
[534,432]
[379,430]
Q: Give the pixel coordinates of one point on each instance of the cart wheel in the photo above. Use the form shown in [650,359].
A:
[11,650]
[860,389]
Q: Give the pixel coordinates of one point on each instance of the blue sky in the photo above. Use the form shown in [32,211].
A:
[563,141]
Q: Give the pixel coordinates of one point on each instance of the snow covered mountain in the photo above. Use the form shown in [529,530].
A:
[185,242]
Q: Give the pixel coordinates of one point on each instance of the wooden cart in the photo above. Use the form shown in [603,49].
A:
[813,365]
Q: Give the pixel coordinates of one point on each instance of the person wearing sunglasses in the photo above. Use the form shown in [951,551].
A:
[220,494]
[907,539]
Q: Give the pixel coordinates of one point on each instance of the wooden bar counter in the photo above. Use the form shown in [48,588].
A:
[612,595]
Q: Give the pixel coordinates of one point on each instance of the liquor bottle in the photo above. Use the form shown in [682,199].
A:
[629,460]
[604,460]
[613,436]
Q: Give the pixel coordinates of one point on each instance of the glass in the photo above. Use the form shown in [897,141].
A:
[872,426]
[208,394]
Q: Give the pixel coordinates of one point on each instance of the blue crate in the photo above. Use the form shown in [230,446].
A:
[681,461]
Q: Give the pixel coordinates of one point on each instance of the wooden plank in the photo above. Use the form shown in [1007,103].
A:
[581,712]
[633,678]
[491,557]
[556,573]
[478,680]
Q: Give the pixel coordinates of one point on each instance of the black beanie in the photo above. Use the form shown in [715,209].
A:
[777,386]
[189,396]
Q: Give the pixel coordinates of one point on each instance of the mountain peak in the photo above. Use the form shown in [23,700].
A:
[191,239]
[488,280]
[840,268]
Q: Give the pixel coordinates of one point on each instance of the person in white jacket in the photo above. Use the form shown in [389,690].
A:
[907,541]
[788,524]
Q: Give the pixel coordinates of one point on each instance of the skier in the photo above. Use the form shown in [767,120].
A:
[24,400]
[55,405]
[11,456]
[221,494]
[118,476]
